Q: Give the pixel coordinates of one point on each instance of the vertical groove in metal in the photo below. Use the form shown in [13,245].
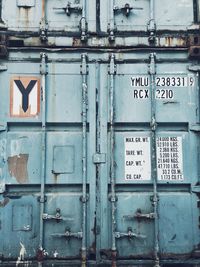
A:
[196,6]
[112,162]
[1,11]
[98,150]
[152,72]
[84,155]
[43,72]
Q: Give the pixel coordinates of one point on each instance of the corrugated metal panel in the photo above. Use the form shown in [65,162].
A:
[79,140]
[99,133]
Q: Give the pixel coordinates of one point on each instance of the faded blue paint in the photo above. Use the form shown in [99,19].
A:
[64,186]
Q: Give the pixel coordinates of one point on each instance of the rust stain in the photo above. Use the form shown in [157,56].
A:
[168,41]
[26,10]
[181,41]
[4,202]
[76,42]
[43,9]
[55,176]
[17,166]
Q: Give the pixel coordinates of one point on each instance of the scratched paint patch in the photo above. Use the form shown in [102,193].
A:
[17,166]
[24,96]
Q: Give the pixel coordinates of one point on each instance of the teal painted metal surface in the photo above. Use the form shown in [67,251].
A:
[102,167]
[99,23]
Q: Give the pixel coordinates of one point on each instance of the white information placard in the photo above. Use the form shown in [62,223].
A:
[137,158]
[170,158]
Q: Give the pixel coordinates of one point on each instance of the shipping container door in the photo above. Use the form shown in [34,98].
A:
[124,17]
[46,177]
[148,208]
[20,147]
[21,15]
[35,15]
[71,16]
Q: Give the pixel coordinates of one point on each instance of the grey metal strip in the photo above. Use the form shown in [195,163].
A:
[152,72]
[43,72]
[84,154]
[112,72]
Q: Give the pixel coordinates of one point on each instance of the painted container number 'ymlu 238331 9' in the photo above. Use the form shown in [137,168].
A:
[164,84]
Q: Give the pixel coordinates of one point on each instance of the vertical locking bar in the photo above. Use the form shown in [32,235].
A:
[83,23]
[43,23]
[43,72]
[112,21]
[98,150]
[84,154]
[112,72]
[152,24]
[4,167]
[152,72]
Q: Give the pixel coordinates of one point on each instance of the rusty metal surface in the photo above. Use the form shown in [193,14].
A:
[17,167]
[64,196]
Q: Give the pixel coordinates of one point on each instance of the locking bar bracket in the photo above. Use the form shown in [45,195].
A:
[70,8]
[130,234]
[126,9]
[68,234]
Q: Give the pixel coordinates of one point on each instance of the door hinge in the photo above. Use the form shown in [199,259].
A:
[84,66]
[195,128]
[43,65]
[196,189]
[83,29]
[194,68]
[194,45]
[151,28]
[152,65]
[99,158]
[42,199]
[112,68]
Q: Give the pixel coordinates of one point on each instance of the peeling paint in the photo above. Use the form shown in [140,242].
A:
[14,148]
[17,166]
[55,254]
[22,253]
[4,202]
[3,148]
